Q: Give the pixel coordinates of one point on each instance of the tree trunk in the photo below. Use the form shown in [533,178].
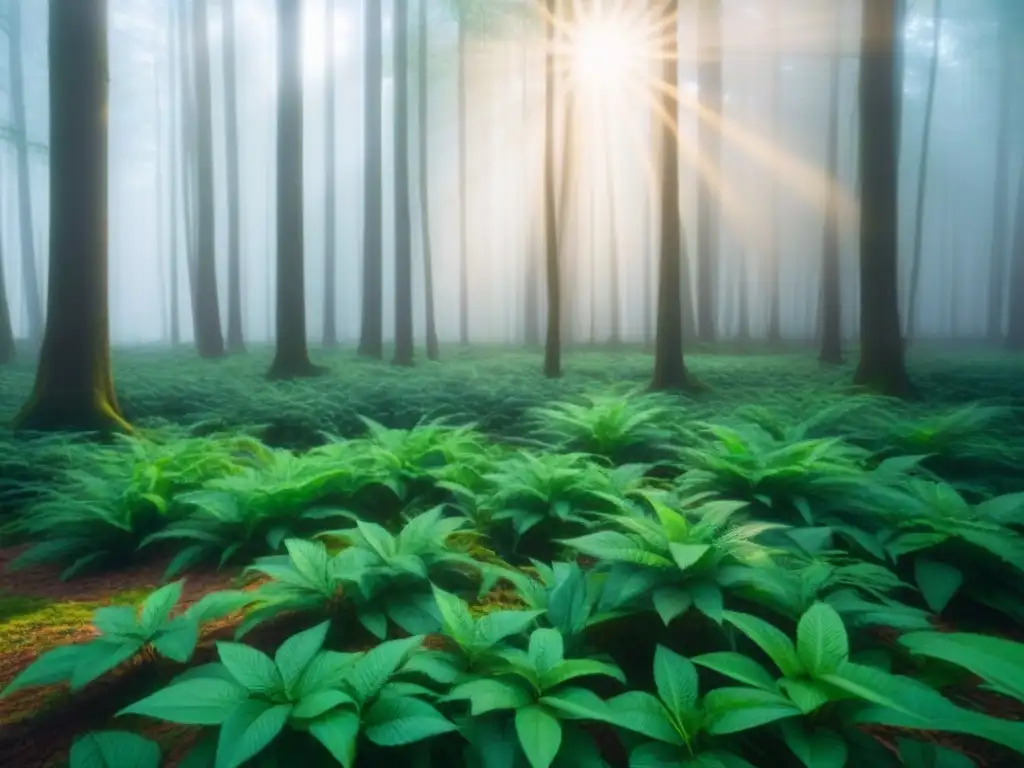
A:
[881,367]
[423,126]
[531,289]
[8,349]
[159,246]
[1015,329]
[1000,219]
[403,219]
[174,46]
[613,243]
[831,295]
[553,336]
[291,359]
[709,79]
[774,330]
[189,141]
[210,339]
[922,174]
[29,269]
[74,386]
[371,335]
[669,366]
[236,340]
[330,329]
[462,137]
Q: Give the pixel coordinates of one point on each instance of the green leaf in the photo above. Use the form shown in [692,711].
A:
[396,720]
[488,694]
[686,556]
[547,650]
[820,749]
[676,680]
[821,640]
[338,732]
[732,710]
[248,730]
[118,621]
[250,667]
[455,616]
[97,658]
[195,702]
[156,608]
[177,639]
[316,704]
[540,736]
[999,662]
[739,667]
[809,695]
[918,754]
[937,581]
[671,602]
[643,713]
[708,599]
[769,639]
[295,653]
[496,626]
[113,749]
[570,669]
[371,671]
[53,666]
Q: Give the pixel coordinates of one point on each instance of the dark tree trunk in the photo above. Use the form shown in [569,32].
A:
[210,339]
[1015,329]
[29,269]
[74,386]
[614,289]
[531,288]
[236,340]
[774,330]
[462,138]
[709,79]
[403,219]
[371,335]
[291,359]
[174,45]
[423,126]
[831,296]
[8,350]
[160,244]
[189,140]
[1000,218]
[553,336]
[922,174]
[330,330]
[670,371]
[743,299]
[881,367]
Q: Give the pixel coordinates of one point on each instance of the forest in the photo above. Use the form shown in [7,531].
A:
[512,383]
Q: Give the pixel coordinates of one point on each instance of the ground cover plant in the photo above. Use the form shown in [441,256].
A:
[470,564]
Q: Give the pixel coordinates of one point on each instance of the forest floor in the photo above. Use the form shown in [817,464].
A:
[490,388]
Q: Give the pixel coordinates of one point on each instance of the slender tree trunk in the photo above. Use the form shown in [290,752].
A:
[291,359]
[210,341]
[531,289]
[831,295]
[174,46]
[772,267]
[159,246]
[922,174]
[74,386]
[189,142]
[1000,219]
[709,79]
[743,298]
[29,270]
[462,138]
[8,349]
[670,371]
[1015,329]
[403,219]
[553,336]
[614,290]
[881,365]
[371,336]
[330,329]
[423,125]
[236,340]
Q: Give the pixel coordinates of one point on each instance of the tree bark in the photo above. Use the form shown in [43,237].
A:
[462,137]
[922,174]
[210,339]
[403,220]
[1015,328]
[174,98]
[881,367]
[371,335]
[831,295]
[553,335]
[291,359]
[236,339]
[74,386]
[772,267]
[1000,219]
[423,126]
[29,268]
[709,79]
[8,349]
[670,372]
[330,329]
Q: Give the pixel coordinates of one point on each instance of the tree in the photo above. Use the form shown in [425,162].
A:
[422,124]
[291,359]
[1015,328]
[709,81]
[371,334]
[463,55]
[330,329]
[206,304]
[236,341]
[881,366]
[8,350]
[403,220]
[29,270]
[74,386]
[174,46]
[922,173]
[669,366]
[774,331]
[552,263]
[1001,204]
[831,296]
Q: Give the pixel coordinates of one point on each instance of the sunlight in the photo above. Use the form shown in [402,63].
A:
[605,51]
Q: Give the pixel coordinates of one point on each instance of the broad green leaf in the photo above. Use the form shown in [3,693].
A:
[540,735]
[455,616]
[737,666]
[488,694]
[177,639]
[769,639]
[570,669]
[808,695]
[671,602]
[248,730]
[250,667]
[113,749]
[686,556]
[676,680]
[195,702]
[338,732]
[708,599]
[157,606]
[392,721]
[919,754]
[821,640]
[937,581]
[645,714]
[295,654]
[370,671]
[999,662]
[316,704]
[53,666]
[547,650]
[496,626]
[732,710]
[97,658]
[116,621]
[819,749]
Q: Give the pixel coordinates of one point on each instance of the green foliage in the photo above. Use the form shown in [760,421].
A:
[113,749]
